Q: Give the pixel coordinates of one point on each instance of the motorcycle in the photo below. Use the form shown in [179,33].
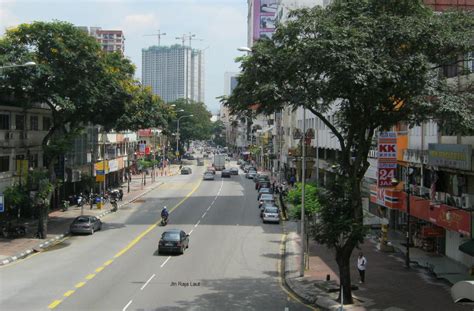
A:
[164,220]
[65,205]
[114,205]
[10,231]
[81,200]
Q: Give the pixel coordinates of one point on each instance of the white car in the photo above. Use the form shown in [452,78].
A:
[208,176]
[270,214]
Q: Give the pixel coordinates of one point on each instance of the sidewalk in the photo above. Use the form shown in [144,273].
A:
[389,285]
[59,221]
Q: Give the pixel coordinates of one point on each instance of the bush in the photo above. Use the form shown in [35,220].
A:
[311,205]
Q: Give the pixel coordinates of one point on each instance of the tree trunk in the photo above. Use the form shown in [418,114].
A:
[343,261]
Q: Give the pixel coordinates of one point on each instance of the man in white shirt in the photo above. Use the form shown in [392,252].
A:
[361,265]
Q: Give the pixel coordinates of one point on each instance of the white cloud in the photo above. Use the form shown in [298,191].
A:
[137,23]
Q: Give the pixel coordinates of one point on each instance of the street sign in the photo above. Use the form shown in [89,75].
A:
[177,153]
[386,158]
[2,205]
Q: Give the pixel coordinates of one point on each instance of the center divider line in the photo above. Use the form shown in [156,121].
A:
[162,265]
[144,285]
[197,223]
[204,215]
[126,306]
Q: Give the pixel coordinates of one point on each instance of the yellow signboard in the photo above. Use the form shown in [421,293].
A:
[99,177]
[22,169]
[102,166]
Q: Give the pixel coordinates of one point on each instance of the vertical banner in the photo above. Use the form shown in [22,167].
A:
[387,158]
[264,18]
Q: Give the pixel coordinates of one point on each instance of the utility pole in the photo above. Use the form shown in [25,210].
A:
[158,35]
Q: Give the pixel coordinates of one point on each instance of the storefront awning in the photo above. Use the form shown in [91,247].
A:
[467,247]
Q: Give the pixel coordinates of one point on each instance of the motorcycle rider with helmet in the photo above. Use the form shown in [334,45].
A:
[164,215]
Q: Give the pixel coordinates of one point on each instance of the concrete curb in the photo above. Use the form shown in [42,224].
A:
[52,241]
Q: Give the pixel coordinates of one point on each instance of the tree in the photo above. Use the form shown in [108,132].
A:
[199,126]
[375,63]
[77,81]
[218,132]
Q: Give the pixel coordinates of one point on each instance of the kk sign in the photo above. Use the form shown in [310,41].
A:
[387,158]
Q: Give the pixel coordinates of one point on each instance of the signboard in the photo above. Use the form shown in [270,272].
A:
[450,155]
[145,133]
[386,158]
[113,165]
[2,205]
[264,18]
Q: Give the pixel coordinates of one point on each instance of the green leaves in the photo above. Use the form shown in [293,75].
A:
[311,205]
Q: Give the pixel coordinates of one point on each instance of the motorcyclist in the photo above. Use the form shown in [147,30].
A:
[164,213]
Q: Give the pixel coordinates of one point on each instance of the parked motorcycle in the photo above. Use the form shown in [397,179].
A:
[10,231]
[114,205]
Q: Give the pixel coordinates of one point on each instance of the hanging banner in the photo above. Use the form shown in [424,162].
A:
[387,158]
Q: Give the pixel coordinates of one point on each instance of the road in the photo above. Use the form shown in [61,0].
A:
[233,260]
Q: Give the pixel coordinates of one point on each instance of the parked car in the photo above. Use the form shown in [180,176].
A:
[234,171]
[250,174]
[264,191]
[200,162]
[186,170]
[173,240]
[225,173]
[85,224]
[263,184]
[266,198]
[208,176]
[270,214]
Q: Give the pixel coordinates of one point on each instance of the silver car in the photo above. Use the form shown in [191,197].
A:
[270,214]
[208,176]
[85,224]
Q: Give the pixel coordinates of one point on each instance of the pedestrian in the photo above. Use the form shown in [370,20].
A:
[292,180]
[361,266]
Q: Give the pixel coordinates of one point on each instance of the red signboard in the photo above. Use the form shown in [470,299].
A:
[432,232]
[145,133]
[386,173]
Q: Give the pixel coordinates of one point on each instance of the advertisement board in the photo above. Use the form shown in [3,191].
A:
[264,18]
[386,158]
[450,155]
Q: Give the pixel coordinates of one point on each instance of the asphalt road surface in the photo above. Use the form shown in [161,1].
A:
[233,261]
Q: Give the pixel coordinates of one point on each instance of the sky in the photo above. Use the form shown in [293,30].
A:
[221,24]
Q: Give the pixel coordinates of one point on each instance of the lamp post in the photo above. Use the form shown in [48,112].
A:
[303,177]
[27,64]
[177,132]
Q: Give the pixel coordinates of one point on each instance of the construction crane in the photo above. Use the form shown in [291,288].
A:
[189,37]
[159,34]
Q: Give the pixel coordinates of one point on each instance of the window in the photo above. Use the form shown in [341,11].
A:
[4,163]
[20,122]
[4,122]
[46,123]
[33,123]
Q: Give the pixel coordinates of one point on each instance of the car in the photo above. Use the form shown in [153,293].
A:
[186,170]
[211,169]
[200,162]
[270,214]
[250,174]
[205,155]
[266,198]
[264,191]
[234,171]
[208,176]
[85,224]
[263,184]
[173,240]
[225,173]
[191,157]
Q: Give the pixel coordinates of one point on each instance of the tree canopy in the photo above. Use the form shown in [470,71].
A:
[359,66]
[197,127]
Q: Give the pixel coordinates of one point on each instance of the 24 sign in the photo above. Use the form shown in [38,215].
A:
[386,172]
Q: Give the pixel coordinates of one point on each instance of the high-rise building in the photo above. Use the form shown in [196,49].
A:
[110,40]
[174,72]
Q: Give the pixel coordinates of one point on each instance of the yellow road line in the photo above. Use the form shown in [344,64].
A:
[281,273]
[108,262]
[99,269]
[69,293]
[54,304]
[90,276]
[80,284]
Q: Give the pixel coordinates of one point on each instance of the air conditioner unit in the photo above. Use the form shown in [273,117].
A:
[467,200]
[441,196]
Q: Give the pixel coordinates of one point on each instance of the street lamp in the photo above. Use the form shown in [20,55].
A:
[21,65]
[244,49]
[177,131]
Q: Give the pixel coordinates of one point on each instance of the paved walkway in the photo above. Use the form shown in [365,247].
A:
[59,221]
[389,285]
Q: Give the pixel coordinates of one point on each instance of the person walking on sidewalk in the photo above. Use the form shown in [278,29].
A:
[361,265]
